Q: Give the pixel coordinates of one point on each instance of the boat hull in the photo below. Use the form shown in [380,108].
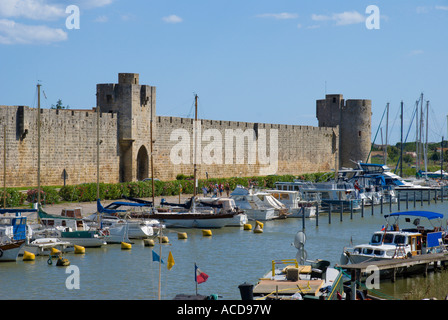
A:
[87,239]
[10,251]
[260,215]
[299,212]
[194,220]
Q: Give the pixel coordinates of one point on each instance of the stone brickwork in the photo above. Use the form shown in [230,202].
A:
[230,148]
[68,141]
[128,110]
[353,117]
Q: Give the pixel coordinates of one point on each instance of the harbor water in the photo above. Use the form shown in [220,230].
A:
[230,257]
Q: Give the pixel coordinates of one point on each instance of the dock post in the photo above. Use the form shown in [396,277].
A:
[398,201]
[381,203]
[351,209]
[353,284]
[372,208]
[414,199]
[421,198]
[303,218]
[342,210]
[329,214]
[362,208]
[407,199]
[317,214]
[394,275]
[435,196]
[390,202]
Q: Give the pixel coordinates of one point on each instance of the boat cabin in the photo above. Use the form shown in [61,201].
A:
[400,239]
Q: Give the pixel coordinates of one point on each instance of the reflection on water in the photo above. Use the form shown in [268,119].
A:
[230,257]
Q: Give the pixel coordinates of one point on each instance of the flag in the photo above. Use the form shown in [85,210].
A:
[156,257]
[171,262]
[383,228]
[199,276]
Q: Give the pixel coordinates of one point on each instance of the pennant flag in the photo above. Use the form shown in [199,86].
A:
[199,276]
[156,257]
[171,262]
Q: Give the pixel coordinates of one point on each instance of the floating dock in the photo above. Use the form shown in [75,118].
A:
[420,264]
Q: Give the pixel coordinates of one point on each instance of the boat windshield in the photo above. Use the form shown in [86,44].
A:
[400,239]
[379,238]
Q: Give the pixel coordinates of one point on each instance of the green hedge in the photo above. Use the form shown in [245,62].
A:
[111,191]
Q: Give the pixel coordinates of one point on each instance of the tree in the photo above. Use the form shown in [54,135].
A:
[59,105]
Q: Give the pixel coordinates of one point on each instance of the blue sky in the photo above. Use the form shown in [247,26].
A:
[248,60]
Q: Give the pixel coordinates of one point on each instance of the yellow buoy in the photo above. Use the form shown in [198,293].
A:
[164,239]
[206,233]
[62,262]
[182,235]
[247,226]
[259,224]
[55,251]
[28,256]
[126,246]
[79,249]
[258,229]
[148,242]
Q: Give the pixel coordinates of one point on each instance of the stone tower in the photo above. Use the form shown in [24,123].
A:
[353,117]
[134,105]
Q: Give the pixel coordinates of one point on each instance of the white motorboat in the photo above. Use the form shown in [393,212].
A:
[396,243]
[260,206]
[295,204]
[71,229]
[225,205]
[43,246]
[134,228]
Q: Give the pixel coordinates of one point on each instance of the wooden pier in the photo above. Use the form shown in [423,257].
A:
[390,269]
[424,262]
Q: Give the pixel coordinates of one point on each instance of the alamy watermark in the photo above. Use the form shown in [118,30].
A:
[73,280]
[228,149]
[373,20]
[73,20]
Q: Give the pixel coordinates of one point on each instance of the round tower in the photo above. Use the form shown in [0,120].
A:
[355,132]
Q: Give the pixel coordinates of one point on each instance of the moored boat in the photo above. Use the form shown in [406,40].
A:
[393,242]
[13,233]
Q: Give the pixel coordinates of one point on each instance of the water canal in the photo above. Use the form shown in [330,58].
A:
[230,257]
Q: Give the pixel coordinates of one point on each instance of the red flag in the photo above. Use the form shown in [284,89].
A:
[199,276]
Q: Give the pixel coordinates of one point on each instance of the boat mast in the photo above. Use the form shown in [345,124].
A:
[195,138]
[152,157]
[401,152]
[4,166]
[387,126]
[426,141]
[38,144]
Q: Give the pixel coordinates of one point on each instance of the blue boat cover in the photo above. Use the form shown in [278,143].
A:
[426,214]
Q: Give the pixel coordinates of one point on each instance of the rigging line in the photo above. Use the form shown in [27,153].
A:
[373,143]
[409,129]
[393,124]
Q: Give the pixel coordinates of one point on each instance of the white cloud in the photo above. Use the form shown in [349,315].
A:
[279,16]
[172,19]
[31,9]
[442,7]
[341,19]
[16,33]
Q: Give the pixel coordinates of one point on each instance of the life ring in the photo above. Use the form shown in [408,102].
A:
[1,253]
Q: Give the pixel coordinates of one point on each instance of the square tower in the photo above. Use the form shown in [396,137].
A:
[135,106]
